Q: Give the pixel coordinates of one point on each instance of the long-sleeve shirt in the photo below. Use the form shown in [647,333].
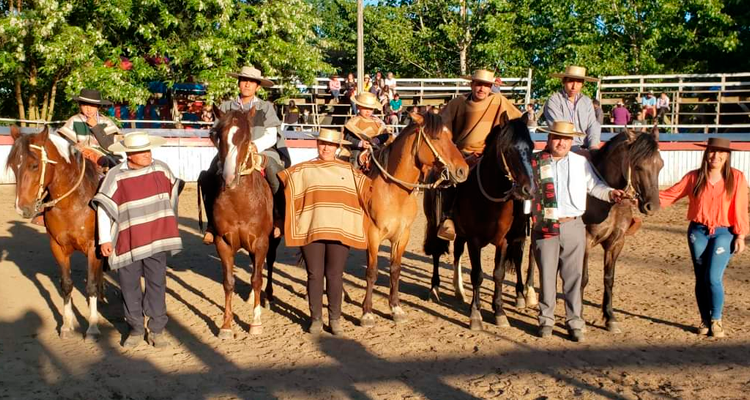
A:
[621,116]
[564,185]
[271,134]
[712,208]
[580,112]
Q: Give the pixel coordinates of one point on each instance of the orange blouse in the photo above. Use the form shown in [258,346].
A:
[712,208]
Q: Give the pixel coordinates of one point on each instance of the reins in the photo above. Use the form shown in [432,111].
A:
[42,191]
[508,175]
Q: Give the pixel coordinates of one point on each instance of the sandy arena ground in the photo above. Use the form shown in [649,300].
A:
[433,356]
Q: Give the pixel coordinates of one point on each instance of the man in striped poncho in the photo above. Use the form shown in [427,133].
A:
[137,225]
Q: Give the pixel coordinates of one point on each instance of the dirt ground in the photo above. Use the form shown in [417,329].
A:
[433,356]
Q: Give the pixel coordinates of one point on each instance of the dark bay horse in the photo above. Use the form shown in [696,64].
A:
[422,147]
[53,178]
[483,212]
[242,213]
[630,161]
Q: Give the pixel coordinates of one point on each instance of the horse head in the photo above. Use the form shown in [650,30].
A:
[641,169]
[434,147]
[233,132]
[510,148]
[33,159]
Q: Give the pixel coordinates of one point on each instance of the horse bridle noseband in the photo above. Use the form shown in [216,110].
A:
[444,174]
[508,174]
[41,193]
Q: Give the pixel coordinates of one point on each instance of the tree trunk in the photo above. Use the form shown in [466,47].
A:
[462,42]
[44,106]
[33,105]
[19,101]
[52,95]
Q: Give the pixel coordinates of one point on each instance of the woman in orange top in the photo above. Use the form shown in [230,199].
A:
[718,225]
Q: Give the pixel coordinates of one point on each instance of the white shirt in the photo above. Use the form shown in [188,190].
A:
[571,188]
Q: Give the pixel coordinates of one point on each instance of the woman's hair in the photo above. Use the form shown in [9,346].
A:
[291,104]
[726,173]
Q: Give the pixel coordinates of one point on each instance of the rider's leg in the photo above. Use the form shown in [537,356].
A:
[447,198]
[210,184]
[273,167]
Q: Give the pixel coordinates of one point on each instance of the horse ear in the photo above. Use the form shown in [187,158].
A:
[631,134]
[655,132]
[217,112]
[417,118]
[15,132]
[525,118]
[44,133]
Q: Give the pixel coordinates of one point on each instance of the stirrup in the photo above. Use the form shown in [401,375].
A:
[208,238]
[447,230]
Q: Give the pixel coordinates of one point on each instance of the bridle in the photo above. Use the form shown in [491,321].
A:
[444,173]
[508,175]
[41,193]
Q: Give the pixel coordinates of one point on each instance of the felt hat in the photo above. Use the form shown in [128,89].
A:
[254,74]
[91,96]
[331,136]
[483,75]
[367,100]
[575,72]
[137,141]
[562,128]
[718,143]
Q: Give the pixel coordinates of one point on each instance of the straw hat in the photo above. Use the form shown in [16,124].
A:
[254,74]
[575,72]
[367,100]
[483,75]
[563,128]
[331,136]
[718,143]
[137,141]
[91,96]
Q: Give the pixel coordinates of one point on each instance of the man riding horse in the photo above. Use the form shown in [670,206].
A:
[470,118]
[267,141]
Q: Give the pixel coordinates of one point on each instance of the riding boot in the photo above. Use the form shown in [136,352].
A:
[273,168]
[210,184]
[446,200]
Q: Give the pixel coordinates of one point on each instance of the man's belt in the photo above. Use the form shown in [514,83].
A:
[566,219]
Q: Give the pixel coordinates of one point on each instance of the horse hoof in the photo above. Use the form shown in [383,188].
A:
[520,302]
[256,329]
[532,300]
[92,335]
[502,321]
[476,325]
[367,321]
[613,327]
[225,334]
[433,295]
[66,334]
[399,317]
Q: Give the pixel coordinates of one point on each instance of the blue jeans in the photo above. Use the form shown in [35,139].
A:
[710,254]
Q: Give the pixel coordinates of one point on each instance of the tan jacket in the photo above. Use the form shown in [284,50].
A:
[470,122]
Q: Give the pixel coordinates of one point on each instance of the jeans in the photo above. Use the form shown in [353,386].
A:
[710,254]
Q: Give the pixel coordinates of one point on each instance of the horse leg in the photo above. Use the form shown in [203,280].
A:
[397,250]
[93,285]
[435,289]
[610,259]
[458,279]
[62,256]
[475,257]
[373,243]
[532,299]
[498,275]
[270,260]
[260,252]
[226,253]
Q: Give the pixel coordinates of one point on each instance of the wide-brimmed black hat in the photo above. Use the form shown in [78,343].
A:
[718,143]
[91,96]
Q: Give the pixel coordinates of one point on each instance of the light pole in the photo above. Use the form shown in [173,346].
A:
[360,45]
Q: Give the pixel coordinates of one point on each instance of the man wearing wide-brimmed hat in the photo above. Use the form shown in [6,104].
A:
[137,226]
[89,129]
[267,138]
[470,118]
[365,130]
[569,104]
[562,180]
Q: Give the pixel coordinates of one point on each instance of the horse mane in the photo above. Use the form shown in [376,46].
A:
[642,148]
[497,138]
[20,148]
[433,125]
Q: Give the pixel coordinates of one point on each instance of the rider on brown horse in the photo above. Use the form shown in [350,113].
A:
[91,131]
[365,130]
[267,140]
[470,118]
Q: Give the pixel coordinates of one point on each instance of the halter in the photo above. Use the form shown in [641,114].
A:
[41,193]
[443,174]
[630,190]
[508,175]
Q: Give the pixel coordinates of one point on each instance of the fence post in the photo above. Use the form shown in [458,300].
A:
[528,88]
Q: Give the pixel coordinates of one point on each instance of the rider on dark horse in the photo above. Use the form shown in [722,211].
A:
[365,130]
[470,118]
[268,141]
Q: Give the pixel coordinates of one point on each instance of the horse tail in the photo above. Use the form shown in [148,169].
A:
[515,239]
[432,245]
[200,205]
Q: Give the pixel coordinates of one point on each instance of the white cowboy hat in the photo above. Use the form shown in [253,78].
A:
[254,74]
[367,100]
[331,136]
[575,72]
[482,75]
[137,141]
[562,128]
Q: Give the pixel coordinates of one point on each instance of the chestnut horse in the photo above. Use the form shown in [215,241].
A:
[54,179]
[483,213]
[242,213]
[421,148]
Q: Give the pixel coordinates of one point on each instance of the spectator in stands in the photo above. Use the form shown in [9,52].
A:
[351,90]
[385,98]
[396,108]
[497,86]
[662,108]
[334,86]
[598,113]
[390,81]
[367,84]
[649,105]
[569,104]
[620,115]
[379,81]
[292,113]
[306,118]
[531,113]
[639,124]
[207,115]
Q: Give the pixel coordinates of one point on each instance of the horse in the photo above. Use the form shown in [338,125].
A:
[242,214]
[54,179]
[420,148]
[483,213]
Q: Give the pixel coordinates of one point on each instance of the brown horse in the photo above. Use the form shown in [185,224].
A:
[483,213]
[242,213]
[422,146]
[53,178]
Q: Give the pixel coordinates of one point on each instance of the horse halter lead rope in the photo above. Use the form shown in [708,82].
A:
[508,175]
[410,185]
[39,205]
